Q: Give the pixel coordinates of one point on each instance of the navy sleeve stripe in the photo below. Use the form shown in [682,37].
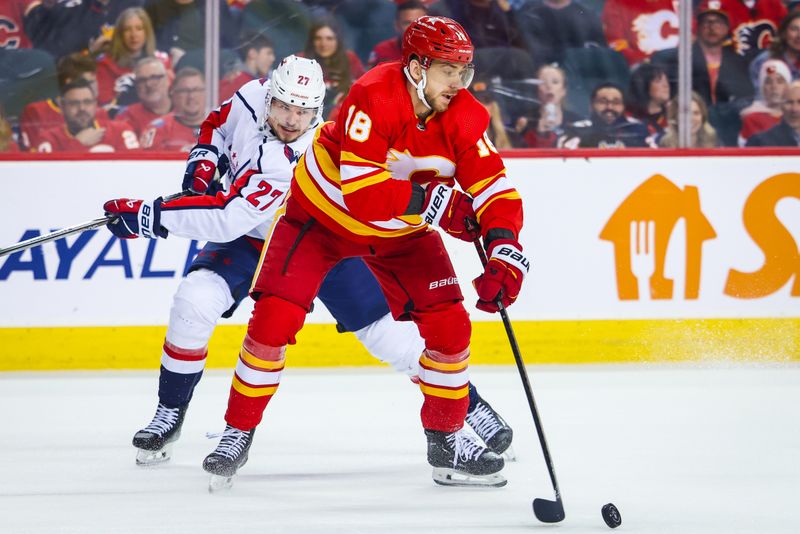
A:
[252,112]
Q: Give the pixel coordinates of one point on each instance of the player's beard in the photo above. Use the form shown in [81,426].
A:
[438,102]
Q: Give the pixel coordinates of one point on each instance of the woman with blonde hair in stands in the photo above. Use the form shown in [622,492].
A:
[773,84]
[340,67]
[703,134]
[133,40]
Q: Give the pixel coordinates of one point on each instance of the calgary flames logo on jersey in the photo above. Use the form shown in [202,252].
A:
[656,31]
[755,35]
[422,169]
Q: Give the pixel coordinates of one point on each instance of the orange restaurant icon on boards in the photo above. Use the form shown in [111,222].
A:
[641,230]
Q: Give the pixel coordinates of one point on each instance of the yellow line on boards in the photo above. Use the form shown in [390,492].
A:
[319,345]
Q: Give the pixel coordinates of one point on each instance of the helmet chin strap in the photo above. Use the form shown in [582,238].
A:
[420,87]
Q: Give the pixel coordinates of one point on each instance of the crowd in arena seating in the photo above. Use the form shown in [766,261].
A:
[118,75]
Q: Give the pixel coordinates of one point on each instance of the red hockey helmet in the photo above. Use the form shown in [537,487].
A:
[441,38]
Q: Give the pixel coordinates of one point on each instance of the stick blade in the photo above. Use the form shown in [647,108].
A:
[548,511]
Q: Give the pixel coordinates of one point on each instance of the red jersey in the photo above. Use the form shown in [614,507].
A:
[388,50]
[118,137]
[228,87]
[757,121]
[639,28]
[354,178]
[43,115]
[169,134]
[12,14]
[113,79]
[752,29]
[138,116]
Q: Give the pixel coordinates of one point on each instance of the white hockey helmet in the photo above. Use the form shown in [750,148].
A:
[298,81]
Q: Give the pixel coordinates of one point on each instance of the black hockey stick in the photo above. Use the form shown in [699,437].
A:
[64,232]
[545,510]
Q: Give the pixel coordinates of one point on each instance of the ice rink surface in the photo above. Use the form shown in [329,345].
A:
[679,449]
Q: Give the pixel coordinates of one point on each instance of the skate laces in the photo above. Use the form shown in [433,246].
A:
[164,419]
[484,421]
[233,442]
[465,448]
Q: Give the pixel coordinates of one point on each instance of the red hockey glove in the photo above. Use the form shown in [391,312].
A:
[200,168]
[135,218]
[503,275]
[450,209]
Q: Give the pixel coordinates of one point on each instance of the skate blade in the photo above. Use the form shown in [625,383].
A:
[218,483]
[150,458]
[509,455]
[450,477]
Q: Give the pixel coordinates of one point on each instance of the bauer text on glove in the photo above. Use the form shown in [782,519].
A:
[502,276]
[135,218]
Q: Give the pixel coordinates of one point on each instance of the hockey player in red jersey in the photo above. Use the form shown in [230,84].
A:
[368,187]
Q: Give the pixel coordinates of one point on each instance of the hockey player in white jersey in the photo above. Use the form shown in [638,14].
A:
[261,132]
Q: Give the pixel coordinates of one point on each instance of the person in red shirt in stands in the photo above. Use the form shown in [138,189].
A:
[133,40]
[45,114]
[390,49]
[767,109]
[81,131]
[258,55]
[152,88]
[639,28]
[12,15]
[178,130]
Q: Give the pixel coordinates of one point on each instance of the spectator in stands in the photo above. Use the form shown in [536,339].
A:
[258,55]
[389,50]
[180,25]
[152,87]
[766,111]
[786,47]
[497,131]
[133,40]
[639,28]
[608,127]
[754,24]
[7,143]
[489,23]
[178,130]
[13,31]
[340,67]
[648,94]
[719,74]
[42,115]
[703,134]
[552,26]
[81,131]
[545,128]
[62,28]
[786,132]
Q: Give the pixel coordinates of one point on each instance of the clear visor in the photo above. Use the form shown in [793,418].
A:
[452,73]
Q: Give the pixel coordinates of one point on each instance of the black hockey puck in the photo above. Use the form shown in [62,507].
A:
[611,516]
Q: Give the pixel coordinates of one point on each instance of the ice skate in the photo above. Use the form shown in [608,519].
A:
[459,460]
[228,457]
[154,442]
[490,427]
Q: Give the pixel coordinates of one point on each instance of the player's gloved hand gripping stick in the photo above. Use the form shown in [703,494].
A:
[545,510]
[71,230]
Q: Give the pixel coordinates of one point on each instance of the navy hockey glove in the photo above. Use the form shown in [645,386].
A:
[451,210]
[200,168]
[135,218]
[503,274]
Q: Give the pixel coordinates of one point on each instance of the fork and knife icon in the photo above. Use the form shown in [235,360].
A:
[643,257]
